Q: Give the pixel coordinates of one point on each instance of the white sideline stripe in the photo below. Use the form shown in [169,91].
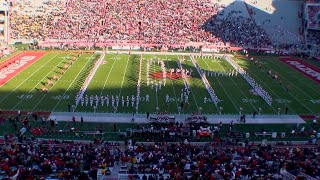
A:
[124,75]
[273,91]
[235,84]
[176,99]
[51,88]
[89,78]
[28,77]
[105,82]
[204,80]
[36,85]
[241,72]
[70,85]
[223,89]
[299,81]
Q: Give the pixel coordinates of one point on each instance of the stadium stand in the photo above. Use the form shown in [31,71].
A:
[57,159]
[221,159]
[176,24]
[206,161]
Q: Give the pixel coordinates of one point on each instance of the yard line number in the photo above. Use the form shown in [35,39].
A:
[245,100]
[315,101]
[283,101]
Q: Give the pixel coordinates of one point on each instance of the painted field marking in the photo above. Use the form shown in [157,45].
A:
[235,84]
[71,84]
[36,85]
[65,97]
[105,82]
[12,57]
[52,88]
[263,82]
[174,91]
[192,93]
[223,88]
[283,101]
[22,62]
[154,70]
[299,81]
[124,75]
[246,100]
[315,101]
[306,69]
[28,77]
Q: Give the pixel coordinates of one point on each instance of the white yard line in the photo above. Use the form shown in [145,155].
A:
[154,69]
[29,77]
[276,93]
[225,92]
[175,96]
[267,87]
[35,86]
[89,78]
[281,98]
[12,78]
[233,82]
[124,75]
[105,82]
[51,88]
[139,82]
[206,83]
[299,81]
[189,87]
[70,85]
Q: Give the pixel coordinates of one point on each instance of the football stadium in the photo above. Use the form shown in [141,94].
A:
[159,89]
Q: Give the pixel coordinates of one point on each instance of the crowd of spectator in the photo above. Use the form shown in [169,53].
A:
[223,157]
[246,161]
[238,30]
[64,159]
[313,16]
[33,21]
[158,22]
[313,38]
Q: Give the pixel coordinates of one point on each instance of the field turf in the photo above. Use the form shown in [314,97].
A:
[118,76]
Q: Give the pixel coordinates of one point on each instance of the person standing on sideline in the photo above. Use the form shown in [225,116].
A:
[314,122]
[56,122]
[254,114]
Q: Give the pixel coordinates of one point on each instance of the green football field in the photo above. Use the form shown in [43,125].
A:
[118,76]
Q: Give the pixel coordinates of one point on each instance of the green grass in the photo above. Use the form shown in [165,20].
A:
[119,77]
[302,90]
[24,90]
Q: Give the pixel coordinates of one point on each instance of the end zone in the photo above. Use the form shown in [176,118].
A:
[16,64]
[306,69]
